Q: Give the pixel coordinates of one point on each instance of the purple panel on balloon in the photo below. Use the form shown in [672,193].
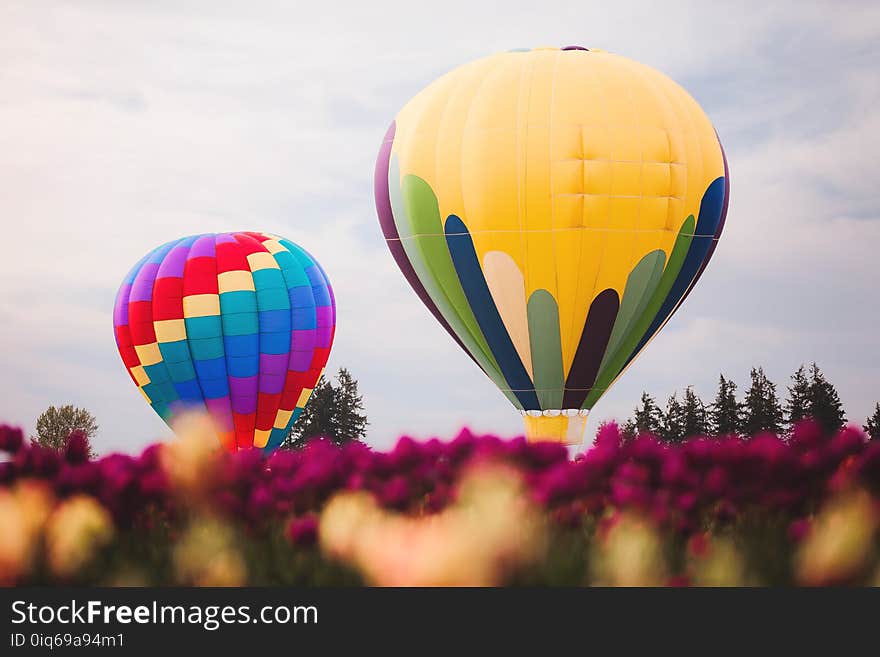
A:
[322,336]
[324,316]
[302,340]
[221,409]
[120,309]
[273,383]
[300,361]
[142,290]
[173,264]
[243,391]
[204,246]
[274,363]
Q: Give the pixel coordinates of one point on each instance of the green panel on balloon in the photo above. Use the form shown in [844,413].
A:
[546,345]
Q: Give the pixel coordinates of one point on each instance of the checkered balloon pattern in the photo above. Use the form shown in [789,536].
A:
[236,324]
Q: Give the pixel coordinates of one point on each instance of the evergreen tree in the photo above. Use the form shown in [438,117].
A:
[55,424]
[797,406]
[695,420]
[648,417]
[760,408]
[351,423]
[628,431]
[674,422]
[872,424]
[333,412]
[824,404]
[724,413]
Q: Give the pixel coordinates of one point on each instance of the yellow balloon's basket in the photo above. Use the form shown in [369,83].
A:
[566,427]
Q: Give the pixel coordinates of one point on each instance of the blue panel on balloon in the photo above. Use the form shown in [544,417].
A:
[214,388]
[240,366]
[304,318]
[275,343]
[322,295]
[242,345]
[301,296]
[189,390]
[272,321]
[211,369]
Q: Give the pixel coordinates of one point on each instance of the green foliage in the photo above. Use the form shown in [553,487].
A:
[761,410]
[695,418]
[823,402]
[55,424]
[648,417]
[872,424]
[724,412]
[333,411]
[673,424]
[797,406]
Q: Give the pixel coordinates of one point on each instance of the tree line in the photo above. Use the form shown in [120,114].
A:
[334,411]
[810,395]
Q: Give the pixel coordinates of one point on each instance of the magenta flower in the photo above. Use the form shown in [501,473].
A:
[395,494]
[798,529]
[11,438]
[77,448]
[716,481]
[303,530]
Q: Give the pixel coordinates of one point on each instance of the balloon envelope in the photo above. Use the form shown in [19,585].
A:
[552,208]
[239,325]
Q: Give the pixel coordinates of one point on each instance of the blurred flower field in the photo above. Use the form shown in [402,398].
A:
[476,510]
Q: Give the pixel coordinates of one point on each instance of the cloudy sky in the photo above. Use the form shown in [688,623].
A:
[126,124]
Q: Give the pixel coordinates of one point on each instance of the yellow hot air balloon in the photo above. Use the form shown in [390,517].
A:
[552,208]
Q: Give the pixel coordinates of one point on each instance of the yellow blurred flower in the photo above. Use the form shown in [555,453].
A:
[631,554]
[839,545]
[720,565]
[23,512]
[76,530]
[207,555]
[343,520]
[191,458]
[491,528]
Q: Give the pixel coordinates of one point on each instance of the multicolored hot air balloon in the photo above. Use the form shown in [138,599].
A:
[236,324]
[552,208]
